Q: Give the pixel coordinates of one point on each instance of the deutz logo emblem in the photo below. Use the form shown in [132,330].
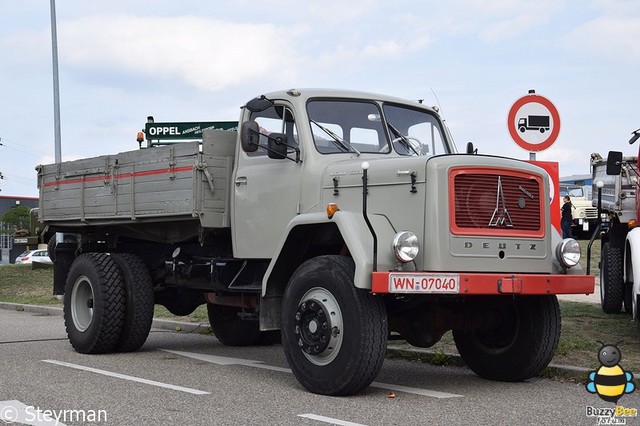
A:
[500,215]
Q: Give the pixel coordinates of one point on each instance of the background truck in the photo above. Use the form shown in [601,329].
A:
[331,219]
[584,214]
[534,122]
[620,243]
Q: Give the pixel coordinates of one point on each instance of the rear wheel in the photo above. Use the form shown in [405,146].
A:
[611,281]
[94,303]
[334,335]
[519,343]
[139,302]
[628,297]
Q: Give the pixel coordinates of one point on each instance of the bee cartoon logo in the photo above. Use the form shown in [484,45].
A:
[610,381]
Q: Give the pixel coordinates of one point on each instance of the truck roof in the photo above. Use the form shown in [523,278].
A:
[303,95]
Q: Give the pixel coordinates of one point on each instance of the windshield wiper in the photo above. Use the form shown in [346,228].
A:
[403,138]
[337,140]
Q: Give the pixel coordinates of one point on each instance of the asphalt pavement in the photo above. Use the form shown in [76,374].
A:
[190,378]
[188,327]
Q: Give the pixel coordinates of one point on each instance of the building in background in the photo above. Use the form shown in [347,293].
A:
[584,181]
[10,245]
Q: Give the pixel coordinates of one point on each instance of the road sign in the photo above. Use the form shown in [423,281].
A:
[533,122]
[185,130]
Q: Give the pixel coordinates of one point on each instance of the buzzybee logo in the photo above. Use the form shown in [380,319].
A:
[610,381]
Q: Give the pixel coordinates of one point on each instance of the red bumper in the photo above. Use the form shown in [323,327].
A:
[481,284]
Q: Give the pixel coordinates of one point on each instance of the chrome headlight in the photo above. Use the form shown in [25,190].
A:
[568,252]
[405,246]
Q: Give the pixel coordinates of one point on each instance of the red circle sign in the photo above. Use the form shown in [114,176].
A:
[533,122]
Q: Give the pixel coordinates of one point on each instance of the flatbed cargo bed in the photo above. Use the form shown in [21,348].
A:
[169,183]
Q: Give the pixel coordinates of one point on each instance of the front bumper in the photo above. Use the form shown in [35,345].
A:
[480,284]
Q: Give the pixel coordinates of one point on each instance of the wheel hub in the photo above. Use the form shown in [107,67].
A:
[82,303]
[312,327]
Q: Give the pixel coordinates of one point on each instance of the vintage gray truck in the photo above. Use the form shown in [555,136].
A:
[615,179]
[333,220]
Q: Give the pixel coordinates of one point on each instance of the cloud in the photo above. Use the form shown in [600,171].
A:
[497,20]
[607,37]
[206,53]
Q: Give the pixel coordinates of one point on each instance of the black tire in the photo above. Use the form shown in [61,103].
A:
[519,346]
[611,282]
[637,318]
[628,298]
[230,329]
[334,335]
[94,303]
[51,248]
[139,302]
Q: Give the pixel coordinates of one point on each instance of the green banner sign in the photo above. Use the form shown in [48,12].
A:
[185,130]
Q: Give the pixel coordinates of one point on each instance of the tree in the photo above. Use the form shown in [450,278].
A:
[16,218]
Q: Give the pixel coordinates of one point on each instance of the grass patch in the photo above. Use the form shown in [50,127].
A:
[595,256]
[21,284]
[198,316]
[584,324]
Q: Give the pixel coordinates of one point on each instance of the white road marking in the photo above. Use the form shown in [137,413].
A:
[125,377]
[329,420]
[17,412]
[222,360]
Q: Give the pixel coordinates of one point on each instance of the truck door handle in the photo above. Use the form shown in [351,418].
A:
[241,180]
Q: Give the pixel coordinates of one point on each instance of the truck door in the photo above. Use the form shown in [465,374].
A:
[266,190]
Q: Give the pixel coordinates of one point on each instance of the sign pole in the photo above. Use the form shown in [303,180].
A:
[56,85]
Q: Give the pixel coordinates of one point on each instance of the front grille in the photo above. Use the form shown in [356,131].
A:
[497,202]
[591,213]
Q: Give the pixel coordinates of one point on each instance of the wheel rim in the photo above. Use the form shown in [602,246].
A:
[318,326]
[82,303]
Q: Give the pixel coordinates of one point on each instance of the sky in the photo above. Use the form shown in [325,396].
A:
[189,60]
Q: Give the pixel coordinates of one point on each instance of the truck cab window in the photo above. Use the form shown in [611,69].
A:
[414,132]
[340,126]
[277,119]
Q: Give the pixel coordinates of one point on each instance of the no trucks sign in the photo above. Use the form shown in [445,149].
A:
[533,122]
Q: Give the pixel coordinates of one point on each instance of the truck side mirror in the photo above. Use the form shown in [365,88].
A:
[277,146]
[250,136]
[614,163]
[259,104]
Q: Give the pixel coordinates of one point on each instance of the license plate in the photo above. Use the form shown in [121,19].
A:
[424,283]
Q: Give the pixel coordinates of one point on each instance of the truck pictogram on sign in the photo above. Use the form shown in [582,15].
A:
[533,122]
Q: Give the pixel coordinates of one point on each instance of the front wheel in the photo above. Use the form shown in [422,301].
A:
[334,335]
[518,344]
[612,287]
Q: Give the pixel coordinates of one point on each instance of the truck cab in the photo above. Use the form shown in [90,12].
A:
[583,212]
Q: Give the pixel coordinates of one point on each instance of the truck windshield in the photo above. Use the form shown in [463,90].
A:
[347,126]
[571,191]
[414,132]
